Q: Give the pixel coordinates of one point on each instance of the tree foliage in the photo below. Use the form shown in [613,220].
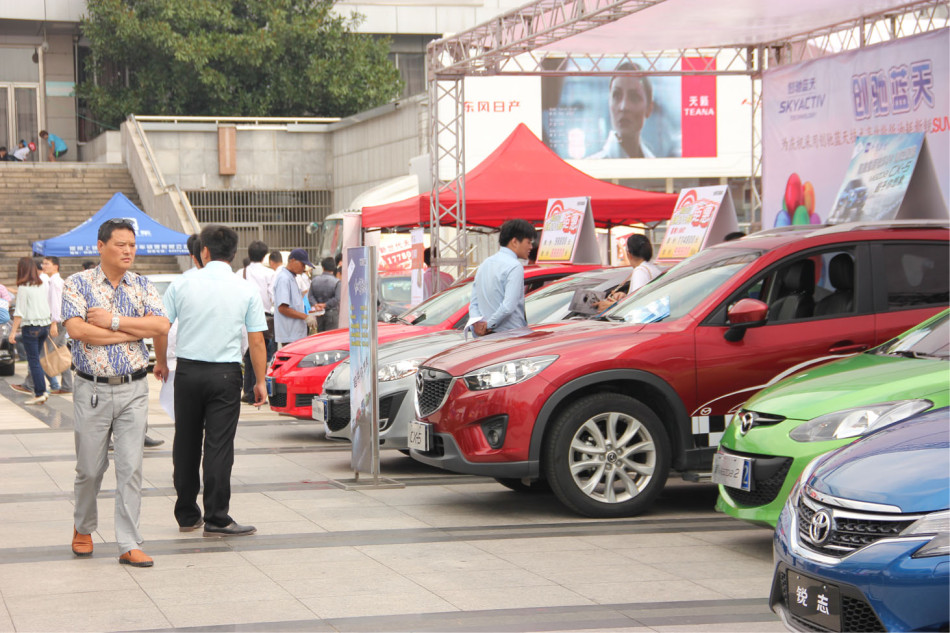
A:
[231,58]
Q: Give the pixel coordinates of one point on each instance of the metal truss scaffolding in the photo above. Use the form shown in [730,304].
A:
[514,44]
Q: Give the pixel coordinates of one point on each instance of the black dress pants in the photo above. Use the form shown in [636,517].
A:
[207,407]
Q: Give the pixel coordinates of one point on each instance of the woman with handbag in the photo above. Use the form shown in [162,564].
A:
[33,314]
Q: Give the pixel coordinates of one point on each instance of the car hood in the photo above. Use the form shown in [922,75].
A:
[404,349]
[539,340]
[340,339]
[903,465]
[853,382]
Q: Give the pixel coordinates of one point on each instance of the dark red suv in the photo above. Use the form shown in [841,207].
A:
[602,411]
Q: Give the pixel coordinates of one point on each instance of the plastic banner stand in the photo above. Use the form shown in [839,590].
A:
[890,177]
[703,216]
[568,235]
[361,274]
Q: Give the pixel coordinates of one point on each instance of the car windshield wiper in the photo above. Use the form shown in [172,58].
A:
[912,354]
[419,318]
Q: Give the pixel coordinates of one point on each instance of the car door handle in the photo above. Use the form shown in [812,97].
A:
[847,347]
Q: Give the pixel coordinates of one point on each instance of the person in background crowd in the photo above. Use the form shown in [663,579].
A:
[497,301]
[57,146]
[212,308]
[51,268]
[22,152]
[338,263]
[55,296]
[109,310]
[275,260]
[86,265]
[290,318]
[262,278]
[325,295]
[430,283]
[639,252]
[7,157]
[32,312]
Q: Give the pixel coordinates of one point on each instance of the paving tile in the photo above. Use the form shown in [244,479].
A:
[507,598]
[319,502]
[11,446]
[359,518]
[68,576]
[439,581]
[377,604]
[538,545]
[6,624]
[728,568]
[635,539]
[348,582]
[304,556]
[759,626]
[80,601]
[54,533]
[26,478]
[423,557]
[234,612]
[335,570]
[221,590]
[683,554]
[643,591]
[35,511]
[203,560]
[201,575]
[758,586]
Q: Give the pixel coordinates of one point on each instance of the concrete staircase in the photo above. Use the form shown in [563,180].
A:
[43,200]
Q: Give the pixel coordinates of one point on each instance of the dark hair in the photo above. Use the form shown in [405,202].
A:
[221,242]
[246,262]
[256,250]
[3,148]
[338,258]
[517,229]
[107,227]
[644,81]
[275,256]
[52,259]
[86,265]
[194,248]
[26,274]
[733,236]
[43,133]
[639,246]
[427,256]
[38,262]
[328,265]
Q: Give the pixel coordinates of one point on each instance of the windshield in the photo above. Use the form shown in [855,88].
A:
[440,307]
[683,287]
[553,302]
[929,341]
[395,290]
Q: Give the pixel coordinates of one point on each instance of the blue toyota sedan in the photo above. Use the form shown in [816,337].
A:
[863,543]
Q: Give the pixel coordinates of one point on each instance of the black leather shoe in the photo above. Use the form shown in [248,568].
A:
[191,528]
[229,530]
[151,443]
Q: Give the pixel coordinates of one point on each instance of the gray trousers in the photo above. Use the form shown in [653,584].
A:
[65,379]
[122,411]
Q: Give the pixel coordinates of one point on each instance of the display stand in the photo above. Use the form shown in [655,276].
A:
[568,235]
[704,216]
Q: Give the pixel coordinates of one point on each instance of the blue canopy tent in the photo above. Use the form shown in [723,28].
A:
[151,238]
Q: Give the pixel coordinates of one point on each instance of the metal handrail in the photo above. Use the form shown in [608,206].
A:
[154,118]
[148,151]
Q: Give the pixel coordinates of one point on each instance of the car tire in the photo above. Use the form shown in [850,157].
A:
[587,481]
[518,485]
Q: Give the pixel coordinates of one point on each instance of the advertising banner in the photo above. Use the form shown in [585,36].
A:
[815,112]
[568,235]
[417,237]
[364,405]
[703,217]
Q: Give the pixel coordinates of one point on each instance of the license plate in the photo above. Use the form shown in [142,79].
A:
[814,600]
[319,409]
[270,386]
[419,433]
[732,471]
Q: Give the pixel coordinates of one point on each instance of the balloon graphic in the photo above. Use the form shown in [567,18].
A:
[783,219]
[815,219]
[793,192]
[808,193]
[801,216]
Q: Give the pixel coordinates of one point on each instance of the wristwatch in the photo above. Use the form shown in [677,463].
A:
[115,323]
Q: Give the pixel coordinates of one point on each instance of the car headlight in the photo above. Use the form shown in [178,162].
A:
[399,369]
[936,524]
[807,471]
[510,372]
[319,359]
[857,421]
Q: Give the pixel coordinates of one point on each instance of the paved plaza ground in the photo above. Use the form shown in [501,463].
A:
[444,553]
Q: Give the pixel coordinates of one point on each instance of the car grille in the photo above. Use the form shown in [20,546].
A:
[338,414]
[304,399]
[850,531]
[856,614]
[432,385]
[765,490]
[279,397]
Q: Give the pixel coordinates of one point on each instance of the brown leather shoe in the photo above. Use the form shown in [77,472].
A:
[136,558]
[82,544]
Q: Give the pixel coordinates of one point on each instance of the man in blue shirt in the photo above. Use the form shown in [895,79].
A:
[290,320]
[498,292]
[57,146]
[211,306]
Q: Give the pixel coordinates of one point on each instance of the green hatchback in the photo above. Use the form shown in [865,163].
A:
[786,425]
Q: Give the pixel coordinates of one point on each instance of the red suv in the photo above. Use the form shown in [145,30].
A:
[298,370]
[601,411]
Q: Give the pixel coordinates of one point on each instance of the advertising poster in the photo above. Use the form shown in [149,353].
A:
[562,226]
[702,217]
[364,414]
[417,237]
[815,112]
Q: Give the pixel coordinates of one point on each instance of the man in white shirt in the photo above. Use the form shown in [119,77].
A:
[262,277]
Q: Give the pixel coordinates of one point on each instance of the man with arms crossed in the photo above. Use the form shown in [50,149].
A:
[211,305]
[104,310]
[498,292]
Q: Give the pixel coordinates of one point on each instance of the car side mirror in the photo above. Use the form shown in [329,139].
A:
[744,314]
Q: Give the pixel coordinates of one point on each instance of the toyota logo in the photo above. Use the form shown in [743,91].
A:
[819,530]
[746,422]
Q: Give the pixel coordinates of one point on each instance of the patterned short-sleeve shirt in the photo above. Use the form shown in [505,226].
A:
[134,297]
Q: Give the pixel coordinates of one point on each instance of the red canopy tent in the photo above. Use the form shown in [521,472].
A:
[516,180]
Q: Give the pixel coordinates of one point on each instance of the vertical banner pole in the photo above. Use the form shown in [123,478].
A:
[364,401]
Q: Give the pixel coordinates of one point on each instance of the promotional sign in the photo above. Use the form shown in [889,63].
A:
[364,405]
[417,237]
[703,217]
[568,235]
[814,114]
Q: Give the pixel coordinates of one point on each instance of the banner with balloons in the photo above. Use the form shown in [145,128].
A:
[815,112]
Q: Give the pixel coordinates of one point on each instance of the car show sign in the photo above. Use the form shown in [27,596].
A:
[364,405]
[703,216]
[816,113]
[417,238]
[568,235]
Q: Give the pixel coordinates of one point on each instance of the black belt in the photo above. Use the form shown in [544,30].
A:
[114,380]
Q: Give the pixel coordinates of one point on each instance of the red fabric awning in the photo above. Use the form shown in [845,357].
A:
[516,180]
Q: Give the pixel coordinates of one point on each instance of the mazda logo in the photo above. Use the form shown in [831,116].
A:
[819,530]
[746,422]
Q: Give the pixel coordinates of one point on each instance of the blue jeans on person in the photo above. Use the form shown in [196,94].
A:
[34,336]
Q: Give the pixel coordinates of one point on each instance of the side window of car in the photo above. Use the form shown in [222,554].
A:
[820,285]
[916,275]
